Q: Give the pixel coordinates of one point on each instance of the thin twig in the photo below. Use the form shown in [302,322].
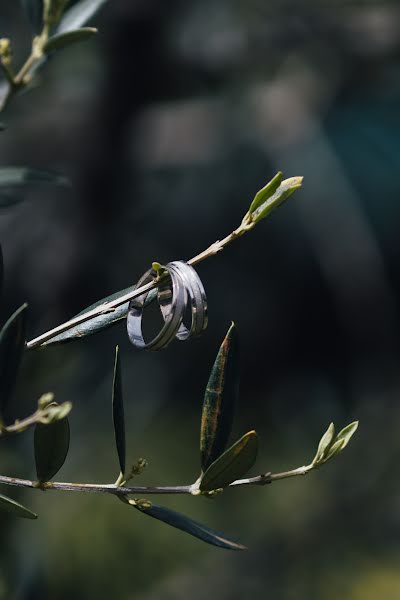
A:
[22,425]
[104,488]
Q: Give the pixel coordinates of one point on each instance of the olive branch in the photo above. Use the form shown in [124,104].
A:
[221,466]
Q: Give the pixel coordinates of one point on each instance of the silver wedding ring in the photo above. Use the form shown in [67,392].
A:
[183,286]
[195,293]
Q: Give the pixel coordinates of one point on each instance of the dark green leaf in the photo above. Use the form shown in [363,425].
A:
[15,508]
[189,526]
[51,447]
[266,192]
[97,324]
[34,11]
[57,42]
[219,400]
[118,412]
[233,464]
[79,14]
[13,178]
[12,344]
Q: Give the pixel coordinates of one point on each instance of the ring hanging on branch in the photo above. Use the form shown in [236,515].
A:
[179,285]
[194,291]
[110,310]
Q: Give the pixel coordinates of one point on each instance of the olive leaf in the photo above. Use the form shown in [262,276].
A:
[330,445]
[347,433]
[233,464]
[118,413]
[335,448]
[282,192]
[266,192]
[187,525]
[63,40]
[13,178]
[79,14]
[324,445]
[219,400]
[12,344]
[51,443]
[70,29]
[15,508]
[100,322]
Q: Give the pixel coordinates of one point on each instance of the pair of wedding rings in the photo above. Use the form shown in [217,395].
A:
[182,288]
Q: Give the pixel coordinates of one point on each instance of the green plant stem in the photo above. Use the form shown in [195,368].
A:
[20,426]
[21,79]
[26,67]
[270,477]
[107,307]
[145,490]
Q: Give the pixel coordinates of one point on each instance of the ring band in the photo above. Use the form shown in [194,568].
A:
[174,293]
[198,301]
[172,289]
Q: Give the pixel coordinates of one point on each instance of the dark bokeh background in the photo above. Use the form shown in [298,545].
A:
[167,124]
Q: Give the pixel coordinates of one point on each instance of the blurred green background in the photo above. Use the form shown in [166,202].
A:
[167,124]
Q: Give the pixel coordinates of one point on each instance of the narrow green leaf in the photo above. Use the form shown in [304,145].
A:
[347,433]
[286,189]
[15,508]
[324,445]
[12,344]
[100,322]
[13,178]
[266,192]
[233,464]
[79,14]
[118,413]
[34,12]
[189,526]
[219,400]
[57,42]
[51,447]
